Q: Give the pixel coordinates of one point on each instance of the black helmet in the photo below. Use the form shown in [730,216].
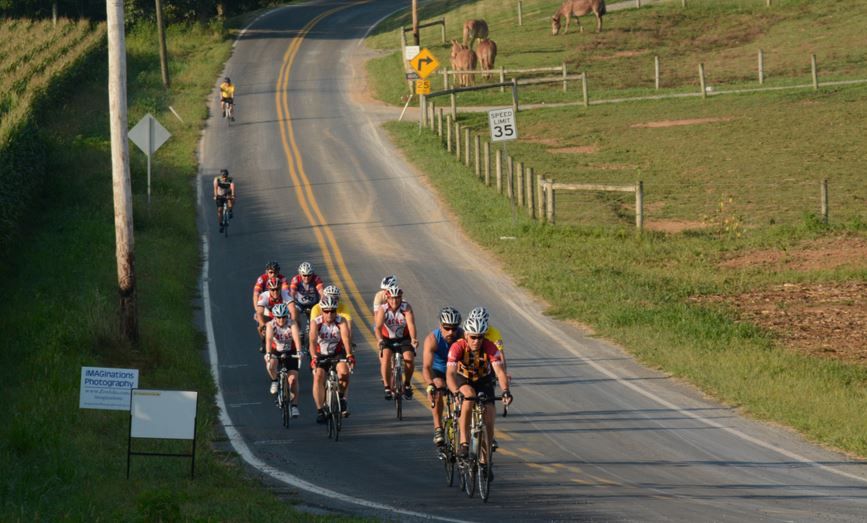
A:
[272,265]
[224,173]
[227,79]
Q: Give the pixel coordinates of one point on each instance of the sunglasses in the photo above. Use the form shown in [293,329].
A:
[324,311]
[271,272]
[449,328]
[477,337]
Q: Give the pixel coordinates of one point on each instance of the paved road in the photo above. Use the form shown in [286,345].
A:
[592,435]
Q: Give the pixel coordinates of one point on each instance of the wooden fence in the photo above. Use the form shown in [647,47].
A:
[503,72]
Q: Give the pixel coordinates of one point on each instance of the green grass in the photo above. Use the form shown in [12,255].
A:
[725,35]
[59,312]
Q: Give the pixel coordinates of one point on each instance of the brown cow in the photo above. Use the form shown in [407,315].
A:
[463,59]
[487,53]
[474,29]
[577,8]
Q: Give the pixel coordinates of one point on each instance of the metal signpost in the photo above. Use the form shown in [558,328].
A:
[503,129]
[424,63]
[149,136]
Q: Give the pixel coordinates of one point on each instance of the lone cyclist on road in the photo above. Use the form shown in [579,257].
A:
[224,189]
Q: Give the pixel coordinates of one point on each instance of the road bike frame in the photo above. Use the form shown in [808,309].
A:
[472,471]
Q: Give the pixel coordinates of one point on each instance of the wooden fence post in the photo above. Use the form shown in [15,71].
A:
[549,188]
[510,171]
[487,160]
[445,74]
[519,184]
[682,3]
[453,98]
[584,89]
[422,112]
[498,158]
[443,31]
[515,94]
[458,141]
[656,72]
[449,128]
[637,3]
[520,13]
[440,123]
[701,80]
[761,67]
[823,193]
[815,73]
[477,157]
[540,198]
[502,78]
[467,146]
[531,199]
[433,115]
[564,77]
[639,205]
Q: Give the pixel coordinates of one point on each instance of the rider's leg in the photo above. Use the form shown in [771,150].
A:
[408,367]
[319,387]
[438,404]
[293,385]
[271,366]
[466,412]
[385,356]
[343,378]
[489,417]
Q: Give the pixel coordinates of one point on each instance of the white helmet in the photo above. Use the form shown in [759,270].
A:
[388,281]
[393,290]
[331,290]
[450,316]
[280,310]
[479,312]
[328,303]
[305,269]
[475,325]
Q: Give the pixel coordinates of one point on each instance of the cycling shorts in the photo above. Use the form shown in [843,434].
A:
[485,385]
[227,100]
[285,360]
[404,344]
[220,200]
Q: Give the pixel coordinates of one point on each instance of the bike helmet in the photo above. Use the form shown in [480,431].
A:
[328,303]
[224,173]
[305,269]
[388,281]
[480,312]
[228,80]
[280,310]
[272,266]
[393,290]
[476,325]
[273,284]
[331,290]
[450,316]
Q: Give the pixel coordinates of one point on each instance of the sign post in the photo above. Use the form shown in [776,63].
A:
[423,63]
[504,129]
[163,414]
[149,136]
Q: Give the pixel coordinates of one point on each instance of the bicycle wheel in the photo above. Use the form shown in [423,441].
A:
[336,414]
[448,451]
[329,419]
[468,470]
[397,384]
[283,395]
[225,220]
[484,473]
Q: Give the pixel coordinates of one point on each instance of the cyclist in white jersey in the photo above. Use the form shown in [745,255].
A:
[395,330]
[282,339]
[329,342]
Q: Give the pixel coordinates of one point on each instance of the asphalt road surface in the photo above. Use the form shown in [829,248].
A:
[591,435]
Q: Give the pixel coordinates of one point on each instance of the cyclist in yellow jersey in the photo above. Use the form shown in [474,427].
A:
[227,95]
[342,311]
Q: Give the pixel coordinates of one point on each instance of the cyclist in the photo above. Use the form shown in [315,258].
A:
[282,340]
[332,290]
[267,301]
[272,270]
[227,96]
[329,340]
[380,297]
[436,352]
[471,365]
[493,333]
[305,288]
[395,328]
[224,190]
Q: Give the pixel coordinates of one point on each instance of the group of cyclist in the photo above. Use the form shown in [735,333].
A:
[463,357]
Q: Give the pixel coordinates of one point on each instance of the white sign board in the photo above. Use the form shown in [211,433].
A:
[411,51]
[502,122]
[148,134]
[163,414]
[106,388]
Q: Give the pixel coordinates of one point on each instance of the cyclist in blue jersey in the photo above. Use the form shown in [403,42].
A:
[436,352]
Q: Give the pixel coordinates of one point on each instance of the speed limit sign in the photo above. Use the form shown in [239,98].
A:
[502,122]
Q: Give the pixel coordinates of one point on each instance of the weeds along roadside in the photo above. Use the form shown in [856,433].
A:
[59,311]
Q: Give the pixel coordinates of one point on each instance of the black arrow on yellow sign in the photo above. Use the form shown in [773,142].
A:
[425,60]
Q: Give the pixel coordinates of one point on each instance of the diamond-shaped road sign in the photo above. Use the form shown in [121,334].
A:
[424,63]
[148,134]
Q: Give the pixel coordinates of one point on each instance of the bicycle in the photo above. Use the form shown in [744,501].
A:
[284,394]
[305,331]
[447,453]
[224,218]
[396,383]
[471,468]
[229,112]
[333,412]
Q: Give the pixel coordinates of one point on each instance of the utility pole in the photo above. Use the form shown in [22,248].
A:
[120,179]
[54,13]
[415,38]
[164,59]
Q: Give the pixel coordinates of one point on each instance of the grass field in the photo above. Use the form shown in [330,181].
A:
[738,174]
[59,313]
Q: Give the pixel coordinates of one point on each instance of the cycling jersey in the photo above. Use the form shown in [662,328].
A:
[305,295]
[282,337]
[473,365]
[223,187]
[441,354]
[394,321]
[493,335]
[266,301]
[227,90]
[261,286]
[316,311]
[329,341]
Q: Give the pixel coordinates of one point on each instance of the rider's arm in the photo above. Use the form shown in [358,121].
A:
[296,336]
[215,188]
[430,347]
[344,336]
[379,319]
[232,189]
[314,334]
[451,377]
[257,291]
[410,325]
[269,337]
[260,315]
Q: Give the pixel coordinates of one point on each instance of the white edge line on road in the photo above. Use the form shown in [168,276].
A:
[371,28]
[234,436]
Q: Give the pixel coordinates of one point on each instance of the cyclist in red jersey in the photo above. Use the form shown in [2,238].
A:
[267,301]
[272,270]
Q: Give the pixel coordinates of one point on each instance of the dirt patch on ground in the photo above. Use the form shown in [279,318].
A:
[578,149]
[623,54]
[615,166]
[676,123]
[829,253]
[821,319]
[550,142]
[673,226]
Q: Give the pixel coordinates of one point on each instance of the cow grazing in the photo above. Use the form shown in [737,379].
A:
[463,59]
[474,29]
[578,8]
[487,53]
